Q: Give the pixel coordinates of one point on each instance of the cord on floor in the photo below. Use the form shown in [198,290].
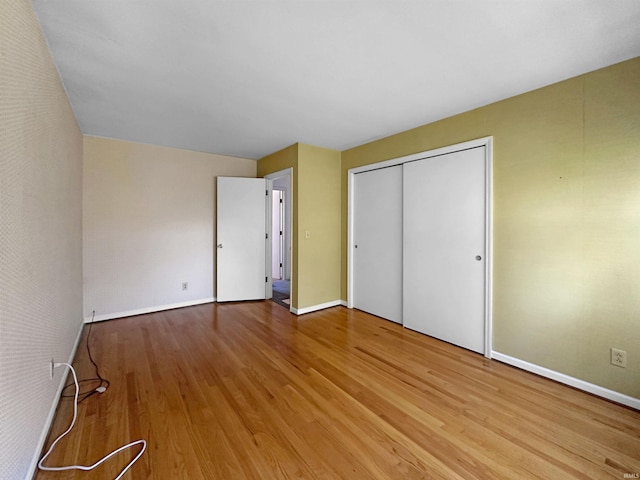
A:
[73,421]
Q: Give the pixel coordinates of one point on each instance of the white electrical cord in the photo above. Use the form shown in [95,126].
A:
[87,467]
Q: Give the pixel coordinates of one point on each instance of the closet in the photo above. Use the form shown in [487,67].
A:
[378,242]
[419,242]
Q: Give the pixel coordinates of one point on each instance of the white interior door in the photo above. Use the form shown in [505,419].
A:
[377,242]
[444,247]
[282,182]
[241,242]
[277,232]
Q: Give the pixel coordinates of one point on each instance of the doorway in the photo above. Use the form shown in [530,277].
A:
[280,266]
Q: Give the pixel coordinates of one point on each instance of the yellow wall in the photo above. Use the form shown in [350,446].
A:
[315,277]
[280,160]
[319,215]
[566,254]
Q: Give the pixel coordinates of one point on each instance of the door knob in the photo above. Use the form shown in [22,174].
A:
[219,245]
[478,257]
[355,246]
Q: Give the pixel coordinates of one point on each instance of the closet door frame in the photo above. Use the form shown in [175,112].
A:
[486,142]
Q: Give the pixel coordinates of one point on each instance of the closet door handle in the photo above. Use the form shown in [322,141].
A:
[478,257]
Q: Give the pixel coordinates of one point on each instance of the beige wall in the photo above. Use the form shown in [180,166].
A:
[566,219]
[315,278]
[149,225]
[40,236]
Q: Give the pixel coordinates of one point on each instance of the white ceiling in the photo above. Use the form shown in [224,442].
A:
[246,78]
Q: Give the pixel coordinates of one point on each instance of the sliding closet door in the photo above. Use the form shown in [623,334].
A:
[444,247]
[377,249]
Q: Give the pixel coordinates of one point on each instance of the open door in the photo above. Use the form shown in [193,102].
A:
[277,235]
[241,239]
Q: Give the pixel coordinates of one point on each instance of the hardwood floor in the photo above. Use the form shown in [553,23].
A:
[247,390]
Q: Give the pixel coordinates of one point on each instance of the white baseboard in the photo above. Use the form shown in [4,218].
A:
[314,308]
[142,311]
[31,472]
[567,380]
[344,303]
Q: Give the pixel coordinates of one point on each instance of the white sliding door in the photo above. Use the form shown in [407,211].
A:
[241,239]
[444,247]
[377,242]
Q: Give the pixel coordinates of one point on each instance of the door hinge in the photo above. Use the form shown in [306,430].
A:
[266,235]
[280,265]
[266,279]
[266,192]
[280,232]
[280,200]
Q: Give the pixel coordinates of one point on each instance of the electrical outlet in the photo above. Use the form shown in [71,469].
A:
[185,285]
[618,357]
[51,367]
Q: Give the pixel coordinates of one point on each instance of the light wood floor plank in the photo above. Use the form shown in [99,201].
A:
[249,391]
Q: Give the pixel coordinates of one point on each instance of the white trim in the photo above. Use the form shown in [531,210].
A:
[571,381]
[486,142]
[280,173]
[141,311]
[314,308]
[344,303]
[488,245]
[351,179]
[268,247]
[479,142]
[52,411]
